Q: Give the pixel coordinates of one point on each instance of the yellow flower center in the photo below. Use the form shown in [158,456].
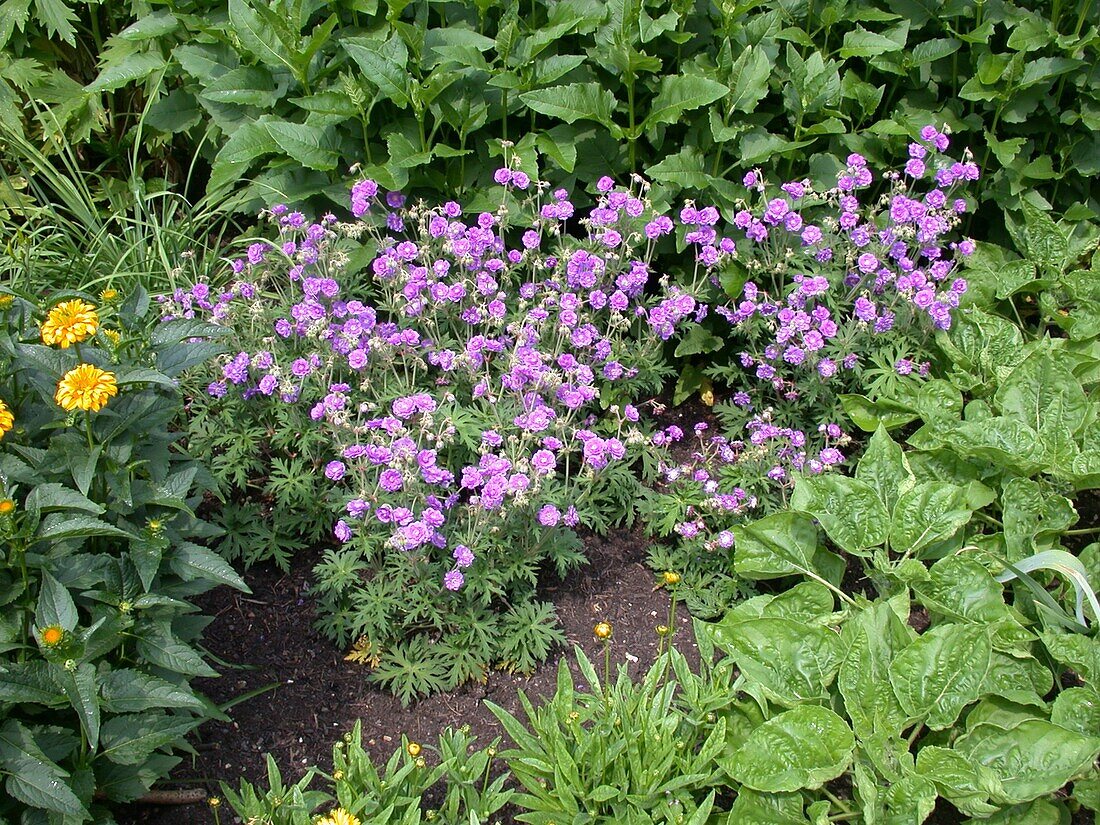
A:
[6,506]
[52,635]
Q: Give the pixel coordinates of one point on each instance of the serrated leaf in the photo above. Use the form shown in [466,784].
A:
[256,36]
[130,69]
[573,102]
[129,739]
[158,647]
[383,64]
[748,79]
[305,144]
[131,691]
[55,605]
[245,86]
[193,562]
[681,93]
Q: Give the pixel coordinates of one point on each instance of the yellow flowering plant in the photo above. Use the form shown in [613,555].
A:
[100,551]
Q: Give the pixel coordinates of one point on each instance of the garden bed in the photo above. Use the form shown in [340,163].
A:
[267,638]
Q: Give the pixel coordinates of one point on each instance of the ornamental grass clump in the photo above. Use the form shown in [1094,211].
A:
[475,373]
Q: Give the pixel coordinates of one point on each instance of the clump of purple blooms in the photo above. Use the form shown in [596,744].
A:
[461,384]
[831,273]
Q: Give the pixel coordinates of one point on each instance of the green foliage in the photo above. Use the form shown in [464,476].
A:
[393,794]
[99,560]
[287,95]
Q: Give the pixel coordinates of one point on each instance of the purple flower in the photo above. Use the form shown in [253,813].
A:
[463,556]
[453,579]
[335,470]
[342,531]
[391,480]
[549,515]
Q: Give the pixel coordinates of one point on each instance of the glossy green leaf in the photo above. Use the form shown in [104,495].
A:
[774,546]
[1032,759]
[791,661]
[681,93]
[800,748]
[941,673]
[849,510]
[872,638]
[931,511]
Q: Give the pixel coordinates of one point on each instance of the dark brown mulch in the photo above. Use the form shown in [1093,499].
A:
[320,695]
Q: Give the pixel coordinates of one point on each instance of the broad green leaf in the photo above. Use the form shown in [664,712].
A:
[816,82]
[257,37]
[792,661]
[966,785]
[383,64]
[941,673]
[748,80]
[69,527]
[34,778]
[130,69]
[928,51]
[1077,709]
[157,646]
[304,143]
[130,691]
[245,86]
[573,102]
[684,169]
[885,467]
[873,638]
[960,588]
[55,605]
[1032,759]
[800,748]
[1075,650]
[870,415]
[150,26]
[52,496]
[932,511]
[129,739]
[1034,517]
[193,562]
[849,510]
[778,545]
[30,682]
[1022,680]
[862,43]
[1001,440]
[754,808]
[680,93]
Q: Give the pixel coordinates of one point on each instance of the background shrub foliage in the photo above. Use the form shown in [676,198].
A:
[282,98]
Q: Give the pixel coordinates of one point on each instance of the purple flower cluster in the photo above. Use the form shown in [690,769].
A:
[466,390]
[724,481]
[847,273]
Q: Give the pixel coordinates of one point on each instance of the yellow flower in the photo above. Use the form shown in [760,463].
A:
[109,295]
[602,631]
[85,388]
[113,335]
[6,300]
[7,420]
[52,635]
[671,578]
[338,816]
[70,322]
[7,506]
[414,749]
